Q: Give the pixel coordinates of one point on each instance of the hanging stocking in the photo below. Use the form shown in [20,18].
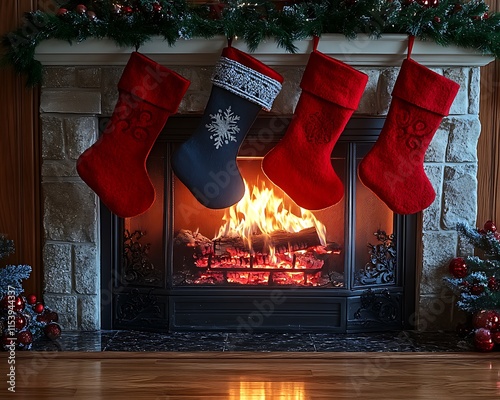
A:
[115,166]
[300,163]
[206,162]
[393,169]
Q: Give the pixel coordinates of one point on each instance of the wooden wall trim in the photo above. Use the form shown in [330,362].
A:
[488,149]
[20,158]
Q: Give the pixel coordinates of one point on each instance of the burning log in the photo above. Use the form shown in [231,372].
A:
[282,242]
[195,240]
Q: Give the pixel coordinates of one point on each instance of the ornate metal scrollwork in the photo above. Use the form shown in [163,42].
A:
[138,306]
[137,267]
[383,261]
[378,306]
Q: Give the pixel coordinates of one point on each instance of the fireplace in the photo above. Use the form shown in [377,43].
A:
[80,89]
[263,264]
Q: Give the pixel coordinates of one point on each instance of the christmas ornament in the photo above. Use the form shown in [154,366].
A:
[80,9]
[487,319]
[61,12]
[91,15]
[393,168]
[115,166]
[31,299]
[458,267]
[20,322]
[437,20]
[18,304]
[24,338]
[300,164]
[127,10]
[483,340]
[490,226]
[38,308]
[206,162]
[52,331]
[476,289]
[157,7]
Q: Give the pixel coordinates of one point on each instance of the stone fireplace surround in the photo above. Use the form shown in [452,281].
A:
[80,86]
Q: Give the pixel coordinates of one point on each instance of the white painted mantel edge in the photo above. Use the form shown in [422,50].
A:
[389,50]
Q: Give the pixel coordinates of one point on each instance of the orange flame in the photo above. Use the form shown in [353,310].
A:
[262,212]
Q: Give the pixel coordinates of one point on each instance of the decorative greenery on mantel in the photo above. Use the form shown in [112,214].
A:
[131,23]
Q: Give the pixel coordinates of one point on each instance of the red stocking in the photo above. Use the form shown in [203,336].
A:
[393,169]
[300,164]
[115,166]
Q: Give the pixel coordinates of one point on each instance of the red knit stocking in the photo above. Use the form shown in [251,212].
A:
[300,164]
[393,169]
[115,166]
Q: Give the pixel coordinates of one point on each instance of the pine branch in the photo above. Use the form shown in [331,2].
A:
[11,277]
[6,246]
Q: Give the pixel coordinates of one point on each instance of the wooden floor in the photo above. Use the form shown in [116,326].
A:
[253,376]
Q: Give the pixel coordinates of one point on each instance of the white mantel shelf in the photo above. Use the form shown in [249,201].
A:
[389,50]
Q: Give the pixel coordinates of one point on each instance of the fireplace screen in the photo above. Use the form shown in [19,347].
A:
[182,266]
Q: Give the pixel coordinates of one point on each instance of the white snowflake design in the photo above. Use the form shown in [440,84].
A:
[224,127]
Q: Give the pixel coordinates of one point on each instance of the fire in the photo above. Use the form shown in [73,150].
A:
[262,212]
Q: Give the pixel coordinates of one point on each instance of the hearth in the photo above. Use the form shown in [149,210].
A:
[263,265]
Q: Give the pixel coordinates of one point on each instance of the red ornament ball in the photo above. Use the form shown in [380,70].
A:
[483,340]
[20,322]
[19,304]
[38,308]
[127,10]
[490,226]
[476,289]
[80,8]
[31,299]
[487,319]
[157,7]
[61,12]
[24,337]
[52,331]
[458,267]
[495,336]
[437,20]
[91,15]
[52,316]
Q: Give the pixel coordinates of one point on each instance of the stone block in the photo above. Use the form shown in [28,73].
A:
[386,82]
[474,90]
[368,102]
[464,134]
[70,212]
[80,133]
[287,99]
[58,77]
[437,148]
[110,78]
[438,248]
[89,313]
[70,102]
[461,76]
[52,137]
[459,195]
[200,77]
[432,215]
[438,313]
[66,308]
[88,77]
[86,269]
[193,102]
[57,270]
[64,168]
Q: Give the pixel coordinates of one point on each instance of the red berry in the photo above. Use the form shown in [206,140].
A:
[91,15]
[157,7]
[490,226]
[20,322]
[80,8]
[458,267]
[476,289]
[487,319]
[31,299]
[38,308]
[52,316]
[61,11]
[437,20]
[127,10]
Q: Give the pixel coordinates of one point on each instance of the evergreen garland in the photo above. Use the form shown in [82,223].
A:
[131,23]
[479,287]
[11,275]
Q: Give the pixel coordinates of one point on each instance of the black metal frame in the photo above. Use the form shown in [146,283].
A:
[244,309]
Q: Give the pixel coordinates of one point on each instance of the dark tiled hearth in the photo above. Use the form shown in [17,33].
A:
[262,342]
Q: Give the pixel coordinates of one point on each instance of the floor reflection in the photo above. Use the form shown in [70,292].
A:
[245,390]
